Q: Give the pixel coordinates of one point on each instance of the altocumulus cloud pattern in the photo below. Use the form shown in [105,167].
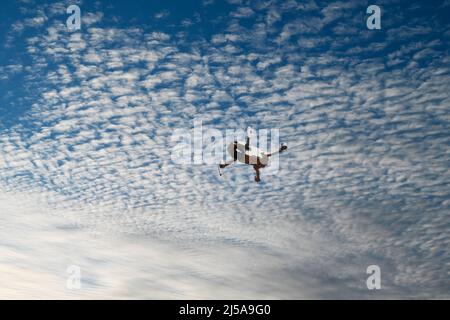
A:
[86,176]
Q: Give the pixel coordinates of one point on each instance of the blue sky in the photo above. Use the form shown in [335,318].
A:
[86,120]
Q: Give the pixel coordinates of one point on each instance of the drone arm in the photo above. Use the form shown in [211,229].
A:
[226,164]
[282,148]
[247,144]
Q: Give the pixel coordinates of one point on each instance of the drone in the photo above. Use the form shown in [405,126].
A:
[251,155]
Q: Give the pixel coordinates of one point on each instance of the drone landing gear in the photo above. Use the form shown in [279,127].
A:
[257,175]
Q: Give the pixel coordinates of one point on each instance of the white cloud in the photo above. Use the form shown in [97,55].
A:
[242,12]
[162,14]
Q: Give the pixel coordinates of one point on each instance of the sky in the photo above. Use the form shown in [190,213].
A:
[86,125]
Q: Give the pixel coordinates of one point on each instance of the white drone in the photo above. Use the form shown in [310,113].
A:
[247,154]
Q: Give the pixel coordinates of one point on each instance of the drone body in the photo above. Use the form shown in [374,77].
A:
[247,154]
